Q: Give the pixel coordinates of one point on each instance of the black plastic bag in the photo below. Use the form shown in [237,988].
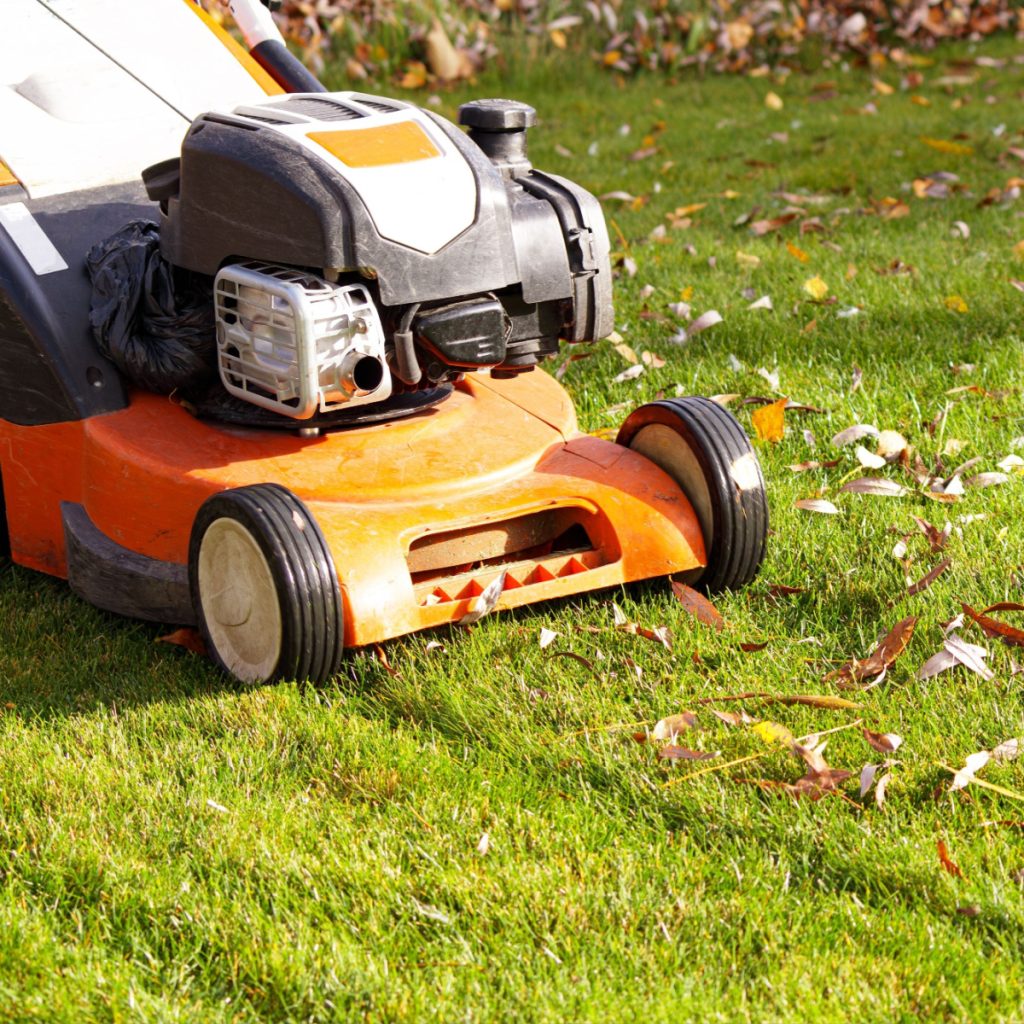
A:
[154,322]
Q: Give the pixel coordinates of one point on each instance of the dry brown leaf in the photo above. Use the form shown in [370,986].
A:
[891,647]
[875,485]
[697,605]
[946,863]
[816,505]
[1008,750]
[670,727]
[994,628]
[883,742]
[674,753]
[929,578]
[660,634]
[186,637]
[803,467]
[733,717]
[764,227]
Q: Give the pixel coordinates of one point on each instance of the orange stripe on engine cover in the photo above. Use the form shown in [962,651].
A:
[400,143]
[6,175]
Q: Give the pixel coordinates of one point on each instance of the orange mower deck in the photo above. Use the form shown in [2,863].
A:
[420,514]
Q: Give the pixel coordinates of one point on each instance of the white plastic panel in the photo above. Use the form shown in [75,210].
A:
[72,118]
[423,204]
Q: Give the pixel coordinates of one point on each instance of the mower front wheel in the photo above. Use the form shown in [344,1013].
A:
[264,587]
[702,446]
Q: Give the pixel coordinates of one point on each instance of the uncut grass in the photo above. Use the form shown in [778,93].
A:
[175,848]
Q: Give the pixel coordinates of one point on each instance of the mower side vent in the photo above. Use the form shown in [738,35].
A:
[322,110]
[532,548]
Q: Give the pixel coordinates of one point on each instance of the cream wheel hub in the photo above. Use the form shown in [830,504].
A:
[239,600]
[670,452]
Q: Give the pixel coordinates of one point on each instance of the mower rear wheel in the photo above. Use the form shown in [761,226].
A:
[702,446]
[264,587]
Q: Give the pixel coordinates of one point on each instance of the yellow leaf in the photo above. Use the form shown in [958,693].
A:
[1018,250]
[921,101]
[956,304]
[944,146]
[851,271]
[685,211]
[730,194]
[769,421]
[626,352]
[558,38]
[773,101]
[773,732]
[816,288]
[686,293]
[797,253]
[882,88]
[415,76]
[747,259]
[612,57]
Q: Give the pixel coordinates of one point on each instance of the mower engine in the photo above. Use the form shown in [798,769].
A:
[362,248]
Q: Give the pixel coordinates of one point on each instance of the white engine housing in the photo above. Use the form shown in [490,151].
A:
[297,344]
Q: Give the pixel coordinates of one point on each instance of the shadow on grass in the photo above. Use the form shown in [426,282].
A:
[59,656]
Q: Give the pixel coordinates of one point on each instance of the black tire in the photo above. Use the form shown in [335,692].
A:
[702,446]
[279,616]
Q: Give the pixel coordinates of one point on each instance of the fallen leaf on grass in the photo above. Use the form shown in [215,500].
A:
[944,146]
[547,637]
[759,228]
[774,733]
[816,288]
[854,433]
[994,628]
[883,742]
[674,753]
[186,637]
[697,605]
[929,578]
[877,486]
[733,717]
[944,860]
[803,467]
[769,421]
[868,459]
[891,647]
[973,764]
[956,651]
[659,634]
[670,727]
[630,373]
[703,322]
[816,505]
[1008,750]
[986,480]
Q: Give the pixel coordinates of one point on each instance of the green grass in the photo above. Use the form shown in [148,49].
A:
[175,849]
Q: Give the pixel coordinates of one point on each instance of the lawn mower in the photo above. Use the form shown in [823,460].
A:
[269,355]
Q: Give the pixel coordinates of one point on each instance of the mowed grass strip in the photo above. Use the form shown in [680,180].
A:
[477,834]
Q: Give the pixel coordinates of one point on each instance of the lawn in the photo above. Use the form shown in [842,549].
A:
[467,826]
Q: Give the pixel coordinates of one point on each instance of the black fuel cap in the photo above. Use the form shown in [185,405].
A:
[497,115]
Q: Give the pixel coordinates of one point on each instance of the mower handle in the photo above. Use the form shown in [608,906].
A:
[267,45]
